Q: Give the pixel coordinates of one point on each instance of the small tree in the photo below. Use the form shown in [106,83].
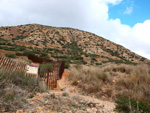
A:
[10,55]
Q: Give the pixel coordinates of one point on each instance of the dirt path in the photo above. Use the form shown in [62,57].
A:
[67,100]
[105,105]
[62,102]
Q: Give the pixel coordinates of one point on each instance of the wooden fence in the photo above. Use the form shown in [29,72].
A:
[50,76]
[12,65]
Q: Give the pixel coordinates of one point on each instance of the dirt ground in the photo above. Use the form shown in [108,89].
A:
[66,99]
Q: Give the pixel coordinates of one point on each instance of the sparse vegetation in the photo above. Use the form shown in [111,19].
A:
[90,79]
[10,55]
[15,88]
[132,83]
[44,55]
[13,47]
[119,68]
[113,53]
[132,88]
[65,94]
[2,40]
[127,105]
[137,83]
[27,52]
[19,37]
[45,67]
[52,96]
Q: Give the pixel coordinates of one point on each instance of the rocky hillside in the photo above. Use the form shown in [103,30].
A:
[72,45]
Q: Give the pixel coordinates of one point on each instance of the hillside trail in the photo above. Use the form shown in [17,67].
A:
[67,100]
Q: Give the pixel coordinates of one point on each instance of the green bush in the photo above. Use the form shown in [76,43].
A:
[94,59]
[13,47]
[26,53]
[36,51]
[98,63]
[53,95]
[19,37]
[67,65]
[126,105]
[19,54]
[44,55]
[20,48]
[45,67]
[73,47]
[1,39]
[130,63]
[113,53]
[10,55]
[2,43]
[65,94]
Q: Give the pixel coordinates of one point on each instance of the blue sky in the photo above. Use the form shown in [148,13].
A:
[137,11]
[125,22]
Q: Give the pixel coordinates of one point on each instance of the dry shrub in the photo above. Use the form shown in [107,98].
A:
[89,78]
[15,89]
[131,81]
[138,83]
[123,68]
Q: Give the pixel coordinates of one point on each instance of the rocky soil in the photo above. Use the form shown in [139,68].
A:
[67,102]
[66,99]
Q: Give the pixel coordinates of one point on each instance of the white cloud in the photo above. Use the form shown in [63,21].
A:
[114,2]
[141,32]
[89,15]
[128,10]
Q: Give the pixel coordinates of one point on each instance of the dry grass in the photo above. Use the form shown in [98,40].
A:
[15,88]
[134,81]
[89,78]
[130,81]
[123,68]
[137,83]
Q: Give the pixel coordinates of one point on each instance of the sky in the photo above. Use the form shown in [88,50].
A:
[130,12]
[125,22]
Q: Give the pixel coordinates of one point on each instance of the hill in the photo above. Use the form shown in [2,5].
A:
[86,88]
[72,45]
